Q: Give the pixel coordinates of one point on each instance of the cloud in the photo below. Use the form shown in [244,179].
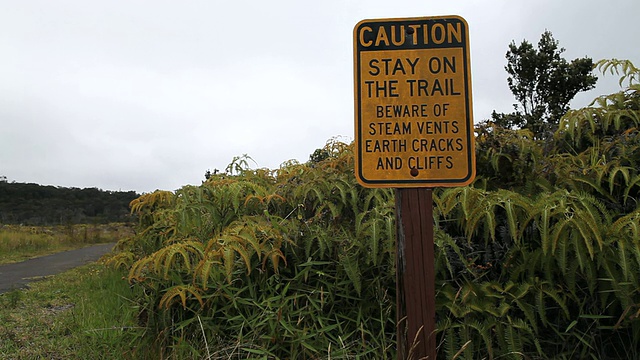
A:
[150,94]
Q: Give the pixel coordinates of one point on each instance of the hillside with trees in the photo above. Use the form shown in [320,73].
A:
[538,258]
[33,204]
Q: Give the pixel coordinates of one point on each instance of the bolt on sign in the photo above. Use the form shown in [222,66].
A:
[413,112]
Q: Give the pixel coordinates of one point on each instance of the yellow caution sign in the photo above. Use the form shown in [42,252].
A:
[413,110]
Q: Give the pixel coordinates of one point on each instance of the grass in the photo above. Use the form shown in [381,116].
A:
[84,313]
[18,243]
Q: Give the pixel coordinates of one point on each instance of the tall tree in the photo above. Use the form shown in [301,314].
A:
[543,83]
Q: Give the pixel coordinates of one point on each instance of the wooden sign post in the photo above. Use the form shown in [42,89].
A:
[415,275]
[413,132]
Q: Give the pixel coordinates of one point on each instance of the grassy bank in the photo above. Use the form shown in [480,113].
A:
[18,243]
[84,313]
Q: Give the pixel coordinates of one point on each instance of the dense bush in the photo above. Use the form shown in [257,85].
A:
[539,258]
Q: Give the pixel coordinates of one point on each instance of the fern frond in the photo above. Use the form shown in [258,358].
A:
[165,260]
[633,183]
[513,338]
[352,269]
[624,68]
[484,330]
[179,293]
[207,268]
[527,309]
[158,198]
[275,255]
[121,260]
[229,259]
[628,225]
[140,269]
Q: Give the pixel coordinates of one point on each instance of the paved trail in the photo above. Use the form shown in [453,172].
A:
[13,276]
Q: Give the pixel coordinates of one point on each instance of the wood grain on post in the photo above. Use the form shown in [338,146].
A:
[415,282]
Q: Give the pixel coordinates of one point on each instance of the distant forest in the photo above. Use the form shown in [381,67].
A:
[33,204]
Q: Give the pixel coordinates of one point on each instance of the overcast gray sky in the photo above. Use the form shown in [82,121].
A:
[145,95]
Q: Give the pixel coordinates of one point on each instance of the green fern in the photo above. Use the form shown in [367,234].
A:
[180,293]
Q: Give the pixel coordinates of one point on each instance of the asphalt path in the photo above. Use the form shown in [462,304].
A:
[18,275]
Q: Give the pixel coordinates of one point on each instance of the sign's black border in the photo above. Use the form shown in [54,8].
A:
[358,49]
